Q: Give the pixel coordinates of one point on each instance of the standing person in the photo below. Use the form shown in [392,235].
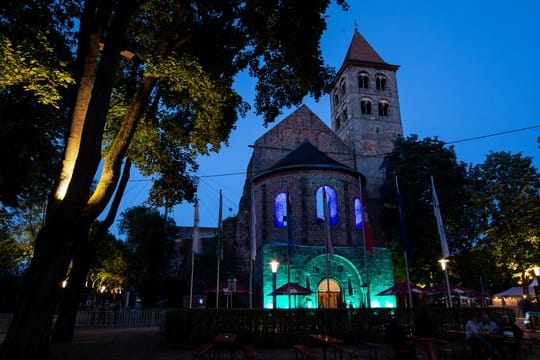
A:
[512,335]
[473,335]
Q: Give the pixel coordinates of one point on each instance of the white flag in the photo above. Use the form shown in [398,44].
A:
[440,226]
[197,244]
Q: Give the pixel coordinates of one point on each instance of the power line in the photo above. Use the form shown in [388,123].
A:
[494,134]
[377,155]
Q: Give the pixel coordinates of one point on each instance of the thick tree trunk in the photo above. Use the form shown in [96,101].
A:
[28,335]
[69,304]
[71,295]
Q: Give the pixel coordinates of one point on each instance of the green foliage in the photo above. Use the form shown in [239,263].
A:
[149,250]
[414,161]
[110,268]
[21,67]
[510,199]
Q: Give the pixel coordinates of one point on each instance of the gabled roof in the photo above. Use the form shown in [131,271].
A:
[307,156]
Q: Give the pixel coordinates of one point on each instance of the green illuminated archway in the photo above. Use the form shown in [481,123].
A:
[341,272]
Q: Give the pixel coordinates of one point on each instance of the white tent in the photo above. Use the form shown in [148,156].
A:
[516,291]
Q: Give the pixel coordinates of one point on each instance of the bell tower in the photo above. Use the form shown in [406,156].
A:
[365,109]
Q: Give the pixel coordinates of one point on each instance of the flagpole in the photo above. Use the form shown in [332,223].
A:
[444,244]
[219,245]
[404,242]
[326,211]
[253,247]
[195,247]
[366,268]
[289,246]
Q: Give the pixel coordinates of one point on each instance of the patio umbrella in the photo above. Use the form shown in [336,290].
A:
[400,288]
[293,289]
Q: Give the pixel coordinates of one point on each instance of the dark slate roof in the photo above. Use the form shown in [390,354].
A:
[307,156]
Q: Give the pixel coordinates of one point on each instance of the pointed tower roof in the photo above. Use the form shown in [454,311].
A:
[361,53]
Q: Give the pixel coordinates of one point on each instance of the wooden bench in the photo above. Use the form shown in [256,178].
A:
[374,348]
[201,351]
[249,352]
[353,354]
[307,353]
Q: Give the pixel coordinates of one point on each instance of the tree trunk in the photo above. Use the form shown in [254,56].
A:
[82,261]
[71,295]
[28,335]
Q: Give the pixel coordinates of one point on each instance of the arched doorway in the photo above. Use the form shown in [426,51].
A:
[329,294]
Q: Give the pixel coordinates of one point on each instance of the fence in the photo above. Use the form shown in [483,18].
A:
[110,318]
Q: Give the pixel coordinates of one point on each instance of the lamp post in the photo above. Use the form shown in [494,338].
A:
[274,264]
[536,270]
[444,268]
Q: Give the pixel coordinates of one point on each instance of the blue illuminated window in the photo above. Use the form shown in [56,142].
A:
[280,210]
[332,204]
[358,213]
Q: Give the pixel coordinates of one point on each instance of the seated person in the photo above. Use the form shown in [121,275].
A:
[473,335]
[512,336]
[488,326]
[396,338]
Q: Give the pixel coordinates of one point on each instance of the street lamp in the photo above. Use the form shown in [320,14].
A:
[536,270]
[274,264]
[444,267]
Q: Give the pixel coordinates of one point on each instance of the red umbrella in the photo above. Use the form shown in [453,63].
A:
[400,288]
[293,289]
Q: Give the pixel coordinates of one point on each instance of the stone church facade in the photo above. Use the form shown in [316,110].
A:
[307,189]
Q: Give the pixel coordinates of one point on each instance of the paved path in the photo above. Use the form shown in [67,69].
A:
[146,343]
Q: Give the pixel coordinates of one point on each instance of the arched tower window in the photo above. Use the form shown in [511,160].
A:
[383,108]
[331,201]
[363,80]
[358,213]
[345,114]
[380,82]
[338,123]
[336,99]
[280,210]
[365,106]
[343,89]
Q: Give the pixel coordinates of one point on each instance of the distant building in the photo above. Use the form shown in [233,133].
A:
[305,161]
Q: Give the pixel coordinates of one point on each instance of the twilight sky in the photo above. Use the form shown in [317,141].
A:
[468,68]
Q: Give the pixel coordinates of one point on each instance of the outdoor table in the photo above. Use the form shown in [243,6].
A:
[226,341]
[427,343]
[326,340]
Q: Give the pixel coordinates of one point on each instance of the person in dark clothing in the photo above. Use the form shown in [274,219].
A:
[511,338]
[397,339]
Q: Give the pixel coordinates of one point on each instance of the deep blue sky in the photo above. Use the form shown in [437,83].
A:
[468,68]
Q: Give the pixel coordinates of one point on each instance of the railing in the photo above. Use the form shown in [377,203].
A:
[118,318]
[279,327]
[5,320]
[110,318]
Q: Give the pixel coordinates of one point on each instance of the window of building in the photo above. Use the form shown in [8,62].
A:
[343,89]
[383,108]
[338,123]
[345,114]
[365,106]
[363,81]
[331,202]
[336,99]
[380,82]
[358,213]
[280,210]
